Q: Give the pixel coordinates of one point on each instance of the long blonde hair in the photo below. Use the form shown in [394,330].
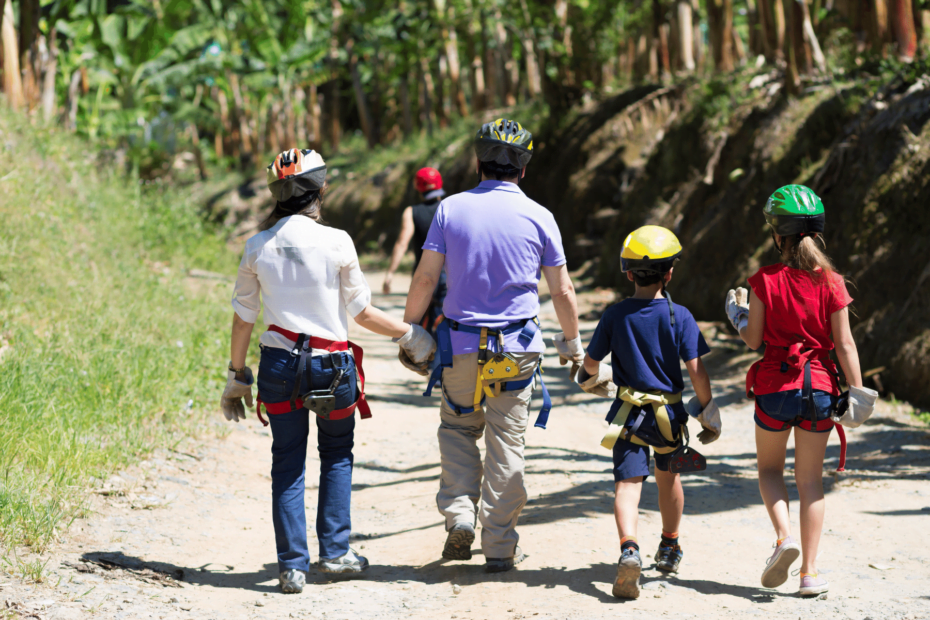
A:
[807,252]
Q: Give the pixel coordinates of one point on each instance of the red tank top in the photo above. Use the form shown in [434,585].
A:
[797,311]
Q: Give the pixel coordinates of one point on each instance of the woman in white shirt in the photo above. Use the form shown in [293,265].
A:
[308,277]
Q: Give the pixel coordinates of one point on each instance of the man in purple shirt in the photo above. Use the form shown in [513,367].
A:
[493,242]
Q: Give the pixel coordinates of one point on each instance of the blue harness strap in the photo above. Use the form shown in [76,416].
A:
[527,329]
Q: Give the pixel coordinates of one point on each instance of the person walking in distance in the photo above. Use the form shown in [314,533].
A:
[492,241]
[307,276]
[415,223]
[799,308]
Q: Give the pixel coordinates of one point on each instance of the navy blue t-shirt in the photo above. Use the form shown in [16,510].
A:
[644,346]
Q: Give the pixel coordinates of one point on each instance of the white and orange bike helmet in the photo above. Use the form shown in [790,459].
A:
[295,172]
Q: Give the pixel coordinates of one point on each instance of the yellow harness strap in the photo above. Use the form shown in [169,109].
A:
[631,398]
[492,372]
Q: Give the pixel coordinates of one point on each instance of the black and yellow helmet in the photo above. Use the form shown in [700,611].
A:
[505,143]
[650,250]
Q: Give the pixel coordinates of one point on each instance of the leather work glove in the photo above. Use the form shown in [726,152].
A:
[709,417]
[569,350]
[600,384]
[417,349]
[231,401]
[738,308]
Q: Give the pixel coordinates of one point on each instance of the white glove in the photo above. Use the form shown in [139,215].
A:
[231,401]
[417,349]
[709,418]
[569,350]
[738,307]
[600,384]
[861,405]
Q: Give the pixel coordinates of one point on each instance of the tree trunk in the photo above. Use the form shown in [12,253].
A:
[332,93]
[406,112]
[301,134]
[439,91]
[361,101]
[905,32]
[476,66]
[766,29]
[74,92]
[739,49]
[660,36]
[778,12]
[49,106]
[245,135]
[12,79]
[491,75]
[877,16]
[792,79]
[290,123]
[810,37]
[700,52]
[426,93]
[531,52]
[803,57]
[720,23]
[446,14]
[316,133]
[29,14]
[505,62]
[685,30]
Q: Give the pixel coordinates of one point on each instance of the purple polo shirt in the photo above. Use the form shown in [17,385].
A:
[494,239]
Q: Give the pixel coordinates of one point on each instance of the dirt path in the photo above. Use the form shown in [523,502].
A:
[194,527]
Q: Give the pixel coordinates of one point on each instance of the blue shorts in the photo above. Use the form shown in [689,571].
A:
[632,460]
[788,407]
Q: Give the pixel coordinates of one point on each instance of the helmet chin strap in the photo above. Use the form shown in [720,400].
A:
[775,241]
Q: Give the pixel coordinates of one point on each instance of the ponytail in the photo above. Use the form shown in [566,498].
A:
[806,252]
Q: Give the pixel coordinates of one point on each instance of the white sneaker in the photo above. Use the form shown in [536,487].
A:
[292,581]
[779,565]
[348,563]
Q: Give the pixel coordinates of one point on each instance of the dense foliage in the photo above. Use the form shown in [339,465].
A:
[234,80]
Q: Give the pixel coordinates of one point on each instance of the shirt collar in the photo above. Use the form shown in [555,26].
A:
[505,186]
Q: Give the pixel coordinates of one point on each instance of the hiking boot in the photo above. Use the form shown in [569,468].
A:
[812,585]
[629,569]
[502,565]
[668,558]
[348,563]
[458,542]
[778,566]
[292,581]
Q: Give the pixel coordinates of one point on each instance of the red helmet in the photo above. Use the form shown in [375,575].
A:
[427,180]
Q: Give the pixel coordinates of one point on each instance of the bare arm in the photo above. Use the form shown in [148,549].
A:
[752,333]
[846,350]
[591,365]
[424,284]
[400,247]
[239,343]
[563,299]
[700,380]
[377,321]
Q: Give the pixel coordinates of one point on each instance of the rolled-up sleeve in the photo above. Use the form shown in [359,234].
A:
[356,295]
[246,299]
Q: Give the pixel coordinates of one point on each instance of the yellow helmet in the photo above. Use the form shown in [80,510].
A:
[650,250]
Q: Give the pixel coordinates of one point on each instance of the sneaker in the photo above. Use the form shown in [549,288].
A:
[292,581]
[812,585]
[458,542]
[668,558]
[629,569]
[502,565]
[348,563]
[778,566]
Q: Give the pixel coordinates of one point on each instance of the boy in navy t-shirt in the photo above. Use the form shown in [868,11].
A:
[646,336]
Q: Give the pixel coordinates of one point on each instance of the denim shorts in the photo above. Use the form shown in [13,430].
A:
[788,407]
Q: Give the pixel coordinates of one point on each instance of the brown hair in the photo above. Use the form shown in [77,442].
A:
[807,253]
[308,205]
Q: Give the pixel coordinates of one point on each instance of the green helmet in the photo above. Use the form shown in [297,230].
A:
[504,143]
[793,210]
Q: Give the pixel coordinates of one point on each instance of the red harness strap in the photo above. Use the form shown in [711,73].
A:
[327,345]
[778,425]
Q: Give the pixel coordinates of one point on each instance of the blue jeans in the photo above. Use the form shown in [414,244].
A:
[277,373]
[788,407]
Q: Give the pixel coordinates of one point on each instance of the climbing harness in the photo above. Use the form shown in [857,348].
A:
[320,402]
[686,460]
[797,356]
[495,374]
[630,427]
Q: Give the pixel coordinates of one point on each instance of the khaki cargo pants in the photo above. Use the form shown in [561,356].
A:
[503,420]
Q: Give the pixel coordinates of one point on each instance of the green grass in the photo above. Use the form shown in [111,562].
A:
[104,340]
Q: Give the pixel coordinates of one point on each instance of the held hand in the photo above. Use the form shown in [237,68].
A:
[386,286]
[231,401]
[569,350]
[600,384]
[709,418]
[417,349]
[738,307]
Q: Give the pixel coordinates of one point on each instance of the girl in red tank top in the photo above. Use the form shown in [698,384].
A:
[799,309]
